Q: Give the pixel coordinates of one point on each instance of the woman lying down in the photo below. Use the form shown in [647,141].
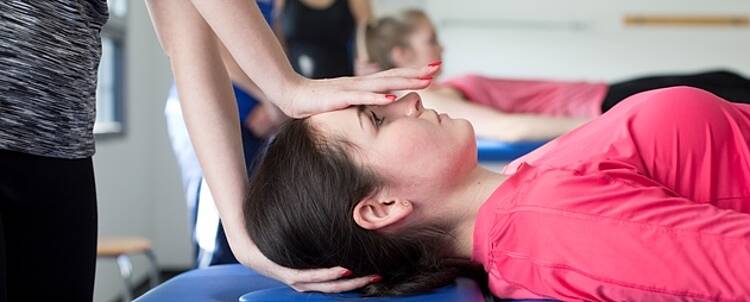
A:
[649,202]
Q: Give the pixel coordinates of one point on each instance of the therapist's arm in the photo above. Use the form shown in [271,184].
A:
[240,25]
[238,76]
[210,114]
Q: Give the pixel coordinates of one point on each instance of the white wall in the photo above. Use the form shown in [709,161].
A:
[581,39]
[138,182]
[137,179]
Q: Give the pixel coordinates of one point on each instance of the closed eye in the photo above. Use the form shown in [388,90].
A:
[376,120]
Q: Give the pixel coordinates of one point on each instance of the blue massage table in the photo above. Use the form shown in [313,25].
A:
[233,283]
[497,151]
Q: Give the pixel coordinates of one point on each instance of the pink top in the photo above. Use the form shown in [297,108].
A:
[554,98]
[648,203]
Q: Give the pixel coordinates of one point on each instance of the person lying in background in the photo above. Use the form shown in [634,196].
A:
[523,109]
[646,203]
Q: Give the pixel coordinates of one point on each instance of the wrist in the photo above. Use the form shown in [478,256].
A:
[290,95]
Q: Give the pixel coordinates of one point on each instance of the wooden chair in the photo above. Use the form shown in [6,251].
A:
[120,249]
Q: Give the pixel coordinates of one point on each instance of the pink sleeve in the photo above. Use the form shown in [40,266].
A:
[551,98]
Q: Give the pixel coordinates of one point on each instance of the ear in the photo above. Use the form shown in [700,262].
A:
[400,56]
[377,213]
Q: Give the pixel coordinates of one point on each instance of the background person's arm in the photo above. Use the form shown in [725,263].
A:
[278,9]
[265,117]
[210,114]
[490,123]
[362,12]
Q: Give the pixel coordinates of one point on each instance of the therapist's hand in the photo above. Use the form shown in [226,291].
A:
[326,280]
[363,68]
[308,97]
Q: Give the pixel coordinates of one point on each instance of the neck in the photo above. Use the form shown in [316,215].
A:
[480,184]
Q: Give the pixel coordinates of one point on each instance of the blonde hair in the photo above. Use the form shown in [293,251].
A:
[389,32]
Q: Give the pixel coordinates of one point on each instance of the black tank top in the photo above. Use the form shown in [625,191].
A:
[319,41]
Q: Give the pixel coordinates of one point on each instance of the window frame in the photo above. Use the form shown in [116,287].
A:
[115,30]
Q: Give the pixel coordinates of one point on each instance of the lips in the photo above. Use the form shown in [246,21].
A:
[443,117]
[437,116]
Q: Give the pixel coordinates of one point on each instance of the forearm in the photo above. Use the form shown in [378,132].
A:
[362,12]
[278,31]
[208,107]
[525,127]
[490,123]
[238,76]
[211,117]
[241,27]
[264,118]
[361,43]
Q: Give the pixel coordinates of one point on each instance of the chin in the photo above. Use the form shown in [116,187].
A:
[463,123]
[469,138]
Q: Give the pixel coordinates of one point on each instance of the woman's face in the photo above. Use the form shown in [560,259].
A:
[424,47]
[417,151]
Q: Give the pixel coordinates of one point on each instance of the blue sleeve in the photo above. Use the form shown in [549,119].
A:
[266,7]
[245,102]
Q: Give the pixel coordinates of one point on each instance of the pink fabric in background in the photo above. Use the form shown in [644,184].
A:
[650,202]
[553,98]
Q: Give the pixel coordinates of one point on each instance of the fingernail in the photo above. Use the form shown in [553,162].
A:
[346,273]
[391,97]
[376,279]
[436,63]
[425,78]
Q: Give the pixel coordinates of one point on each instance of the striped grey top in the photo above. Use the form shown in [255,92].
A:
[49,55]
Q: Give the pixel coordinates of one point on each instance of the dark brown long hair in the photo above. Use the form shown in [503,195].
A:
[299,214]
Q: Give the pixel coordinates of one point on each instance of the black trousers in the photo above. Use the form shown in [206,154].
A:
[48,228]
[726,84]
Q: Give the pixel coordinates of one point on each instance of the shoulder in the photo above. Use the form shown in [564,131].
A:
[278,4]
[361,10]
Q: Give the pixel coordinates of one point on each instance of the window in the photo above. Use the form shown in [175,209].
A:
[111,83]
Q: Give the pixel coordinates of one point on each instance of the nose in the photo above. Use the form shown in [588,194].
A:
[410,105]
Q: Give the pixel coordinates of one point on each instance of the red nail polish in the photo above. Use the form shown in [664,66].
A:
[376,279]
[347,273]
[425,78]
[391,97]
[436,63]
